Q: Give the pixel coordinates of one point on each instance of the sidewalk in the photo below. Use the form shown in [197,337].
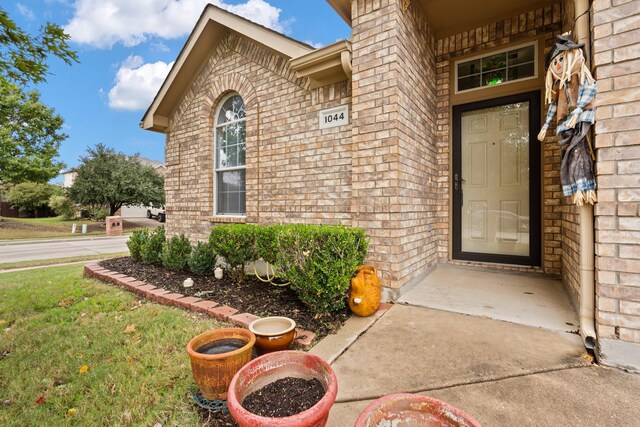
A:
[58,240]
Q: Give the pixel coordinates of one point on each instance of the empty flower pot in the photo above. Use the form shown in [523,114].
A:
[272,367]
[412,410]
[216,356]
[273,333]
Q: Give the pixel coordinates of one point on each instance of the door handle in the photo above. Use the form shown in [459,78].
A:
[457,181]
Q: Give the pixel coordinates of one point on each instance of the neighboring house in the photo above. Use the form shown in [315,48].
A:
[420,129]
[69,175]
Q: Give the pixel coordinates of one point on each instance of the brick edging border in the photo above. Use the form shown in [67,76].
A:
[162,296]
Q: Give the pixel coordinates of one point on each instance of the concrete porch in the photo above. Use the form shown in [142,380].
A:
[501,346]
[525,299]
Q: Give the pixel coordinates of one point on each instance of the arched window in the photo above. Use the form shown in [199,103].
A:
[230,137]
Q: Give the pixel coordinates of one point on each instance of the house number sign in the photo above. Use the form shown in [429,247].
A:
[334,117]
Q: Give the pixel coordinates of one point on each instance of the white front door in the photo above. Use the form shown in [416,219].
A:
[492,181]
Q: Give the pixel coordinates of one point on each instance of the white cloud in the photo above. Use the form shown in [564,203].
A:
[160,47]
[25,12]
[137,83]
[103,23]
[314,44]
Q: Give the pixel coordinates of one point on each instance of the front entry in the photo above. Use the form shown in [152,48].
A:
[496,180]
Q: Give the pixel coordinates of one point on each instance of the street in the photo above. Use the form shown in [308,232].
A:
[48,249]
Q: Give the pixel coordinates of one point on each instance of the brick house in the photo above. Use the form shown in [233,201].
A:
[421,130]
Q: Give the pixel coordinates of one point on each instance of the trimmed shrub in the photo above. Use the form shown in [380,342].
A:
[319,262]
[175,253]
[267,243]
[203,259]
[136,241]
[152,248]
[236,244]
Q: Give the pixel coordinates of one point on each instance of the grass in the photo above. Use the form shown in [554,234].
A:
[54,323]
[39,228]
[43,262]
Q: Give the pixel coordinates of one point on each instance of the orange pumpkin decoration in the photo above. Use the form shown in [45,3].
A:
[365,291]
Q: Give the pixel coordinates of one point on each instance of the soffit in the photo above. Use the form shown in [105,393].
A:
[206,35]
[447,17]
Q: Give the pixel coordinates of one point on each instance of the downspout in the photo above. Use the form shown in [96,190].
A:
[587,241]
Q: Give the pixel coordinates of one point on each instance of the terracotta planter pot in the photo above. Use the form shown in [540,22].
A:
[404,410]
[213,372]
[273,333]
[272,367]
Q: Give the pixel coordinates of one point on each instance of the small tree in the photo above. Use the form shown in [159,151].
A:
[108,178]
[61,205]
[30,196]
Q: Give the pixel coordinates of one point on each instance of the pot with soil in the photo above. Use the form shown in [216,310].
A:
[412,410]
[216,356]
[283,389]
[274,333]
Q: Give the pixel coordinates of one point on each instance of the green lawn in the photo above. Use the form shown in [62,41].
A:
[54,324]
[54,227]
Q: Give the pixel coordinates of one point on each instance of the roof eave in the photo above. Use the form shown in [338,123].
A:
[343,8]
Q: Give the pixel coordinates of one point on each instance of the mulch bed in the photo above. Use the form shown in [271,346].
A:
[250,296]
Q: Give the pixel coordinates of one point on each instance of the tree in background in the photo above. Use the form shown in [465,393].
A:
[108,178]
[29,131]
[29,137]
[30,196]
[61,205]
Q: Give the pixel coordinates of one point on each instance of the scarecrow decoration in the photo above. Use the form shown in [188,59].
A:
[570,90]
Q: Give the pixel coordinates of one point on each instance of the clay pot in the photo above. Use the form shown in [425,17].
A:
[405,410]
[213,372]
[365,291]
[273,333]
[270,368]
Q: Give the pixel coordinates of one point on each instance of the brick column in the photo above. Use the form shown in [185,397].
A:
[374,130]
[395,188]
[616,53]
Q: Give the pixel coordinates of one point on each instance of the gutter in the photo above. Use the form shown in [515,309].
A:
[587,240]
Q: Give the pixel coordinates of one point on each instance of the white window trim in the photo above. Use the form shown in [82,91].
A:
[215,158]
[487,54]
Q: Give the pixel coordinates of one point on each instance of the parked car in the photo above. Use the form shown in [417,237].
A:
[158,213]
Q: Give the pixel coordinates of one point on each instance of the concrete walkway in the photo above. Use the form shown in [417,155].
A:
[501,373]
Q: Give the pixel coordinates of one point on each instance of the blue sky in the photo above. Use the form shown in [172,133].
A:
[125,56]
